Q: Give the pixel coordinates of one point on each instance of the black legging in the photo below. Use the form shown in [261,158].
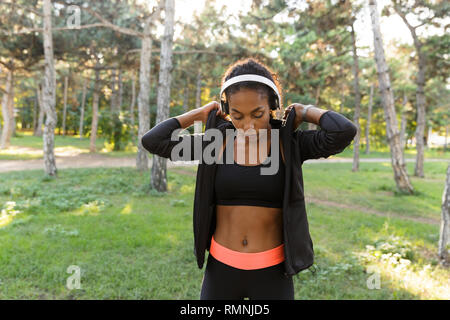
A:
[222,281]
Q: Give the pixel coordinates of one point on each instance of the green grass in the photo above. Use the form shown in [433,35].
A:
[28,147]
[410,153]
[25,139]
[374,187]
[135,243]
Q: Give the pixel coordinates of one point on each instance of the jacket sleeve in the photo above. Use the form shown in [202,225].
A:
[158,141]
[335,134]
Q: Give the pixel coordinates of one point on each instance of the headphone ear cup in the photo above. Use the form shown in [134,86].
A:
[223,106]
[274,102]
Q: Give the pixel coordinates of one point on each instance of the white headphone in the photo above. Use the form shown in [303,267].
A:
[248,77]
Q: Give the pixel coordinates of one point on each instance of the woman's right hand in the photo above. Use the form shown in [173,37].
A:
[199,114]
[206,109]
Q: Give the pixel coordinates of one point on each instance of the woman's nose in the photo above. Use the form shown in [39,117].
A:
[249,127]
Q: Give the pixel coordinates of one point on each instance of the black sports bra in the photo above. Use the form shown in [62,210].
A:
[237,184]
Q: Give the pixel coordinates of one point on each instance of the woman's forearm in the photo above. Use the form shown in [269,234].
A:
[335,134]
[313,115]
[187,119]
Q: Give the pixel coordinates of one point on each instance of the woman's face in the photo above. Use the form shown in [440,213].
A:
[249,109]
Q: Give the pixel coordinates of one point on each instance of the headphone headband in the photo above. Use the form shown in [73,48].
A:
[250,77]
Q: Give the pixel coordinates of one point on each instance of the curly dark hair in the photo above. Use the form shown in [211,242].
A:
[253,66]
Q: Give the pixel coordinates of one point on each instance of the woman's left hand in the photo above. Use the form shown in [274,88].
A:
[298,113]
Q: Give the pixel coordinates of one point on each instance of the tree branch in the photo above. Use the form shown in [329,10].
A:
[112,26]
[185,52]
[30,30]
[412,29]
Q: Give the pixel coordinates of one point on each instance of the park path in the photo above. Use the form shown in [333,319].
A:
[94,160]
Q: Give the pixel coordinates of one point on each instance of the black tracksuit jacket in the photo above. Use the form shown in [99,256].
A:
[335,134]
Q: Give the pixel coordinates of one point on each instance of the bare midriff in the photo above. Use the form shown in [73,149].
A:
[248,228]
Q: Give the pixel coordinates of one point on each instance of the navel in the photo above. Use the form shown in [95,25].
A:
[244,242]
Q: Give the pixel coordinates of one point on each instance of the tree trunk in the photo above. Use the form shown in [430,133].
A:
[114,115]
[198,99]
[11,108]
[159,166]
[66,83]
[8,111]
[23,123]
[40,122]
[95,100]
[341,85]
[421,113]
[186,98]
[446,135]
[397,160]
[133,98]
[312,126]
[357,103]
[198,92]
[113,97]
[420,96]
[35,111]
[83,103]
[428,137]
[444,234]
[144,93]
[369,119]
[403,123]
[49,93]
[120,92]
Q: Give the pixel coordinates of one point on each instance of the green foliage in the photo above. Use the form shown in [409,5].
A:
[117,129]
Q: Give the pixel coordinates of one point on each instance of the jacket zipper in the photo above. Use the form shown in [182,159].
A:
[289,256]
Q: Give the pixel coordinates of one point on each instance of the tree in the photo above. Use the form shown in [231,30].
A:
[18,53]
[438,10]
[398,164]
[49,93]
[144,93]
[159,175]
[40,103]
[444,235]
[83,103]
[357,101]
[95,100]
[7,109]
[144,73]
[66,84]
[369,119]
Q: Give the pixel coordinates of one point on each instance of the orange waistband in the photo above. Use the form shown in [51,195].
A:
[245,260]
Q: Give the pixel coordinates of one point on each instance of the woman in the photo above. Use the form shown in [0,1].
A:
[249,254]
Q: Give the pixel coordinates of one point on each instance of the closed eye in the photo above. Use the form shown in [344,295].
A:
[260,114]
